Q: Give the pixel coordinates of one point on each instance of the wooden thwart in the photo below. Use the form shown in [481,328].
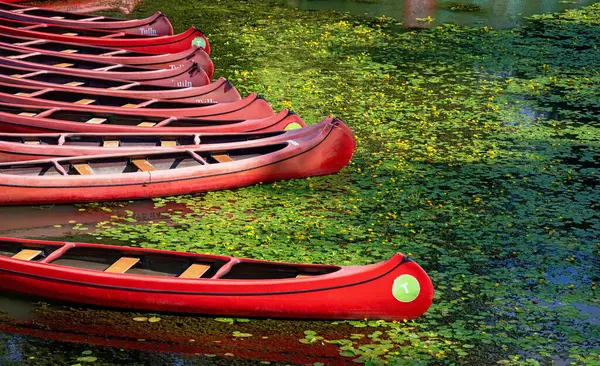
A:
[75,83]
[129,105]
[27,254]
[147,124]
[85,101]
[63,64]
[27,114]
[32,142]
[69,34]
[143,165]
[111,143]
[196,270]
[222,158]
[168,143]
[69,50]
[123,265]
[304,275]
[83,169]
[96,121]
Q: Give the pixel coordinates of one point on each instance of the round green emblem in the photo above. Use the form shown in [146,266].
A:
[406,288]
[199,41]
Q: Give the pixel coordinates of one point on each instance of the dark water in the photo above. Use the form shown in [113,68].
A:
[494,13]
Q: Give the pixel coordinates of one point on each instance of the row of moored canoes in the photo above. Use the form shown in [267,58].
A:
[97,109]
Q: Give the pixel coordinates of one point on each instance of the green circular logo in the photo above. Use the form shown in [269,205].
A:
[199,41]
[406,288]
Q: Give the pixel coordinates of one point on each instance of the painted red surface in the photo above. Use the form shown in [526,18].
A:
[110,55]
[154,25]
[327,149]
[251,107]
[157,45]
[185,76]
[24,124]
[221,91]
[17,151]
[354,292]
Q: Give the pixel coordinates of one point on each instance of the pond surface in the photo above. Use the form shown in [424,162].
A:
[478,155]
[494,13]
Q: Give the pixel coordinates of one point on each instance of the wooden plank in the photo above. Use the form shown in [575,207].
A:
[168,143]
[69,50]
[23,94]
[143,165]
[74,83]
[27,114]
[196,270]
[129,105]
[122,265]
[63,64]
[304,276]
[69,34]
[32,142]
[16,75]
[222,158]
[96,121]
[57,17]
[85,101]
[83,169]
[111,143]
[147,124]
[27,254]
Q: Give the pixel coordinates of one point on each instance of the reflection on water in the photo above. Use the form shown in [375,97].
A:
[494,13]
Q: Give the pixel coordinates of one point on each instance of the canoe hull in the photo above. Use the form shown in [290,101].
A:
[354,292]
[23,124]
[322,154]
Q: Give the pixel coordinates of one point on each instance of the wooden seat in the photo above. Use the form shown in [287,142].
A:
[143,165]
[304,275]
[57,17]
[63,64]
[32,142]
[129,105]
[222,158]
[168,143]
[111,143]
[85,101]
[16,75]
[96,121]
[27,254]
[69,34]
[196,270]
[147,124]
[123,265]
[74,83]
[27,114]
[69,50]
[83,169]
[21,94]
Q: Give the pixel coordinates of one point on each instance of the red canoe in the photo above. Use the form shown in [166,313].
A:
[155,25]
[251,107]
[325,150]
[142,43]
[156,280]
[110,55]
[221,91]
[25,147]
[185,76]
[28,119]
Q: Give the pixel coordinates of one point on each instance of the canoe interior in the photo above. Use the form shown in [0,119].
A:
[113,119]
[64,62]
[52,13]
[61,30]
[160,264]
[76,80]
[134,141]
[62,47]
[78,98]
[126,164]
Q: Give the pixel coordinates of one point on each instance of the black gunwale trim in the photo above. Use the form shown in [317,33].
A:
[177,180]
[197,293]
